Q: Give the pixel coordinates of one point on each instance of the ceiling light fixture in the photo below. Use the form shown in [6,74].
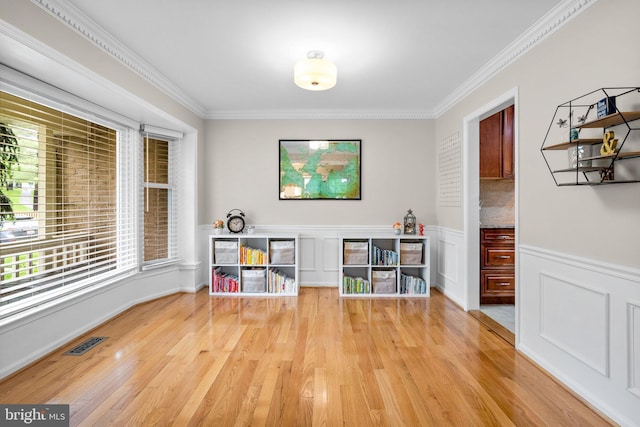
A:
[315,73]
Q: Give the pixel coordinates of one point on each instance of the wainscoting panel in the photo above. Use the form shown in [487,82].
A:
[585,338]
[447,261]
[580,321]
[325,256]
[448,257]
[307,254]
[634,347]
[331,254]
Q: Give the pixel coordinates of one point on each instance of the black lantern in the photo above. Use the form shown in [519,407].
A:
[409,223]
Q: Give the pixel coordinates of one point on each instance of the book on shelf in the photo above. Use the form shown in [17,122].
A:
[252,256]
[223,282]
[412,284]
[279,282]
[384,257]
[355,285]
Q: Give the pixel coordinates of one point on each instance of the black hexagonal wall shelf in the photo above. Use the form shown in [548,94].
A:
[595,139]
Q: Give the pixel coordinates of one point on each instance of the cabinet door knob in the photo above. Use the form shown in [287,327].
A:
[503,257]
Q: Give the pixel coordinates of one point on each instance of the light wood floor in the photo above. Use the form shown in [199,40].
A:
[313,360]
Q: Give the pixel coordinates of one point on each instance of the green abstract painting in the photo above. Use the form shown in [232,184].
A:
[313,169]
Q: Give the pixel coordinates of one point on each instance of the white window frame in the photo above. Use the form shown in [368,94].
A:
[173,138]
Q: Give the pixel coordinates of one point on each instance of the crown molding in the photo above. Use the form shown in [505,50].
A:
[544,27]
[90,30]
[319,115]
[87,28]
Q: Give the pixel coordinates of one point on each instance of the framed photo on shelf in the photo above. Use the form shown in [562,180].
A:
[320,169]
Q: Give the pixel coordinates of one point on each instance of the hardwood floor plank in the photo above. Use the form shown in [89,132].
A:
[278,403]
[354,410]
[190,359]
[428,408]
[267,388]
[397,406]
[187,414]
[320,397]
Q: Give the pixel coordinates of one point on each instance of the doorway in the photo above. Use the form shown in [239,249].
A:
[472,226]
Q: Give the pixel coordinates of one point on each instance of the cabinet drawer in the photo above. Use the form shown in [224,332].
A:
[497,235]
[497,257]
[497,283]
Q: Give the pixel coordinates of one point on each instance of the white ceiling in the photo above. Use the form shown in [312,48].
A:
[236,58]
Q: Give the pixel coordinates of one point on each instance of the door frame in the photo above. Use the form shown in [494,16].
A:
[471,197]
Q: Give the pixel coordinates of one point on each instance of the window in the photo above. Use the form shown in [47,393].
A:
[159,201]
[68,220]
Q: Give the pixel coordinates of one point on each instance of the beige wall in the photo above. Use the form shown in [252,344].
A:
[596,49]
[398,171]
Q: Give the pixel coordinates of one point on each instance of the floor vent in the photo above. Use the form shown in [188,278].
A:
[85,346]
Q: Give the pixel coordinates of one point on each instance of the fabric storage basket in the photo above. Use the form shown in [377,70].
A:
[282,251]
[356,253]
[384,282]
[225,252]
[254,280]
[410,253]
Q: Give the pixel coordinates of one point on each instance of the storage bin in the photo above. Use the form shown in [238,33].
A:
[356,253]
[383,281]
[225,252]
[254,280]
[282,251]
[411,253]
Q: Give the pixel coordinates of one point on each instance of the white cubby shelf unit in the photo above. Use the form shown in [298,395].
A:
[253,265]
[384,266]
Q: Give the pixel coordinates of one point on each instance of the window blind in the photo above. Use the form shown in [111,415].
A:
[159,200]
[72,195]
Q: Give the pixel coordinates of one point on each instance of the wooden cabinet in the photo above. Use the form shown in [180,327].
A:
[508,159]
[496,145]
[384,266]
[497,262]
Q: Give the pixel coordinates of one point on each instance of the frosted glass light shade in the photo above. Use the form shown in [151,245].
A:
[315,74]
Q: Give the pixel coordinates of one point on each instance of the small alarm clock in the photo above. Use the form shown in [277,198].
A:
[235,221]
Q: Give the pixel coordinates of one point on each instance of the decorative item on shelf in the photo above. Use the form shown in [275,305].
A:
[606,174]
[235,221]
[218,226]
[606,106]
[609,144]
[578,152]
[421,229]
[251,229]
[409,223]
[397,227]
[575,134]
[583,118]
[576,155]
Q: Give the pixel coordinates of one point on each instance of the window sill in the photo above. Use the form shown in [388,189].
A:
[160,264]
